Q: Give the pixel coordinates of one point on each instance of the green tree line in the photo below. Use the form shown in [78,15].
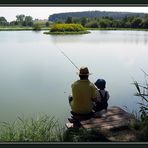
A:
[109,22]
[22,20]
[96,22]
[92,14]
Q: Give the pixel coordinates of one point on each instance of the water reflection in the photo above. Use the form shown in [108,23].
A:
[36,78]
[104,36]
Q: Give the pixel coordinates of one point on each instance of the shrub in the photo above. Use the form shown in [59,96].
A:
[37,26]
[93,24]
[67,28]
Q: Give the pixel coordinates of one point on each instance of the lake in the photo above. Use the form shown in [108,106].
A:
[35,78]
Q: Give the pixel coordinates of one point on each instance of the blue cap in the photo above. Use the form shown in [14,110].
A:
[100,83]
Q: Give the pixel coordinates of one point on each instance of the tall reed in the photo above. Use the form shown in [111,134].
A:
[42,128]
[142,92]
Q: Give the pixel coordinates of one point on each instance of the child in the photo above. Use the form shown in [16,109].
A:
[102,96]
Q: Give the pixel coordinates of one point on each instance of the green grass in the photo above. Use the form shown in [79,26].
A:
[17,28]
[20,28]
[42,128]
[134,29]
[47,129]
[84,135]
[67,33]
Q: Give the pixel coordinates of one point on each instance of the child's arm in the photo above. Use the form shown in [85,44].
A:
[98,96]
[108,96]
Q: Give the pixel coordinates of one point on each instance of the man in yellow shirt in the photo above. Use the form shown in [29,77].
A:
[83,94]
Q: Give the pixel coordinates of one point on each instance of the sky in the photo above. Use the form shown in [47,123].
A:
[43,12]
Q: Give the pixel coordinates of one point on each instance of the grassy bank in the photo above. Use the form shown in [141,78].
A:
[142,93]
[68,33]
[16,28]
[47,129]
[134,29]
[42,128]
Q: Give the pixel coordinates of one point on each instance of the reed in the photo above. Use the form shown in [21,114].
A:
[142,92]
[42,128]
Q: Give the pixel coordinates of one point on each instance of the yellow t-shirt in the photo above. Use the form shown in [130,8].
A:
[82,92]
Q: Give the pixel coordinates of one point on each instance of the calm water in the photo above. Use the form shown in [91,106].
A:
[35,78]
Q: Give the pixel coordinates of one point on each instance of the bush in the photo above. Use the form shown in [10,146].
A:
[93,24]
[67,28]
[37,27]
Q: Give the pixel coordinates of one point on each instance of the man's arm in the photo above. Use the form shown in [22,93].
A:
[94,94]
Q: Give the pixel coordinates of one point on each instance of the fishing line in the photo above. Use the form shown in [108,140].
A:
[67,57]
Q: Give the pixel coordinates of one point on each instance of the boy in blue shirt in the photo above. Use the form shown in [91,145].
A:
[102,96]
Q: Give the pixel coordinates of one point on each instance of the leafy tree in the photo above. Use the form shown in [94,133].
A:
[59,22]
[92,14]
[69,20]
[13,23]
[3,21]
[20,19]
[24,20]
[92,24]
[108,18]
[47,24]
[145,22]
[136,22]
[37,26]
[76,21]
[103,23]
[116,24]
[28,21]
[83,21]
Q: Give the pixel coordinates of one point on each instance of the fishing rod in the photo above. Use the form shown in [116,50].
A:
[67,57]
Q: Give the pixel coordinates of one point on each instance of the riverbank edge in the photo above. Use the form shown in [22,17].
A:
[30,28]
[33,130]
[67,33]
[124,29]
[22,29]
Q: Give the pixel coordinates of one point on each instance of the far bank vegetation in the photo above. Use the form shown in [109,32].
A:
[67,29]
[90,20]
[103,19]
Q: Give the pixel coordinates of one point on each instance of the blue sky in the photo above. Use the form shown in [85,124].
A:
[43,12]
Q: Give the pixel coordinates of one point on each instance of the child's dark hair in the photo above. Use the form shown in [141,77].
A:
[100,83]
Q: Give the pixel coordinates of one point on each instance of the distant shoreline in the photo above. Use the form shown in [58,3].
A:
[20,29]
[68,33]
[46,28]
[126,29]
